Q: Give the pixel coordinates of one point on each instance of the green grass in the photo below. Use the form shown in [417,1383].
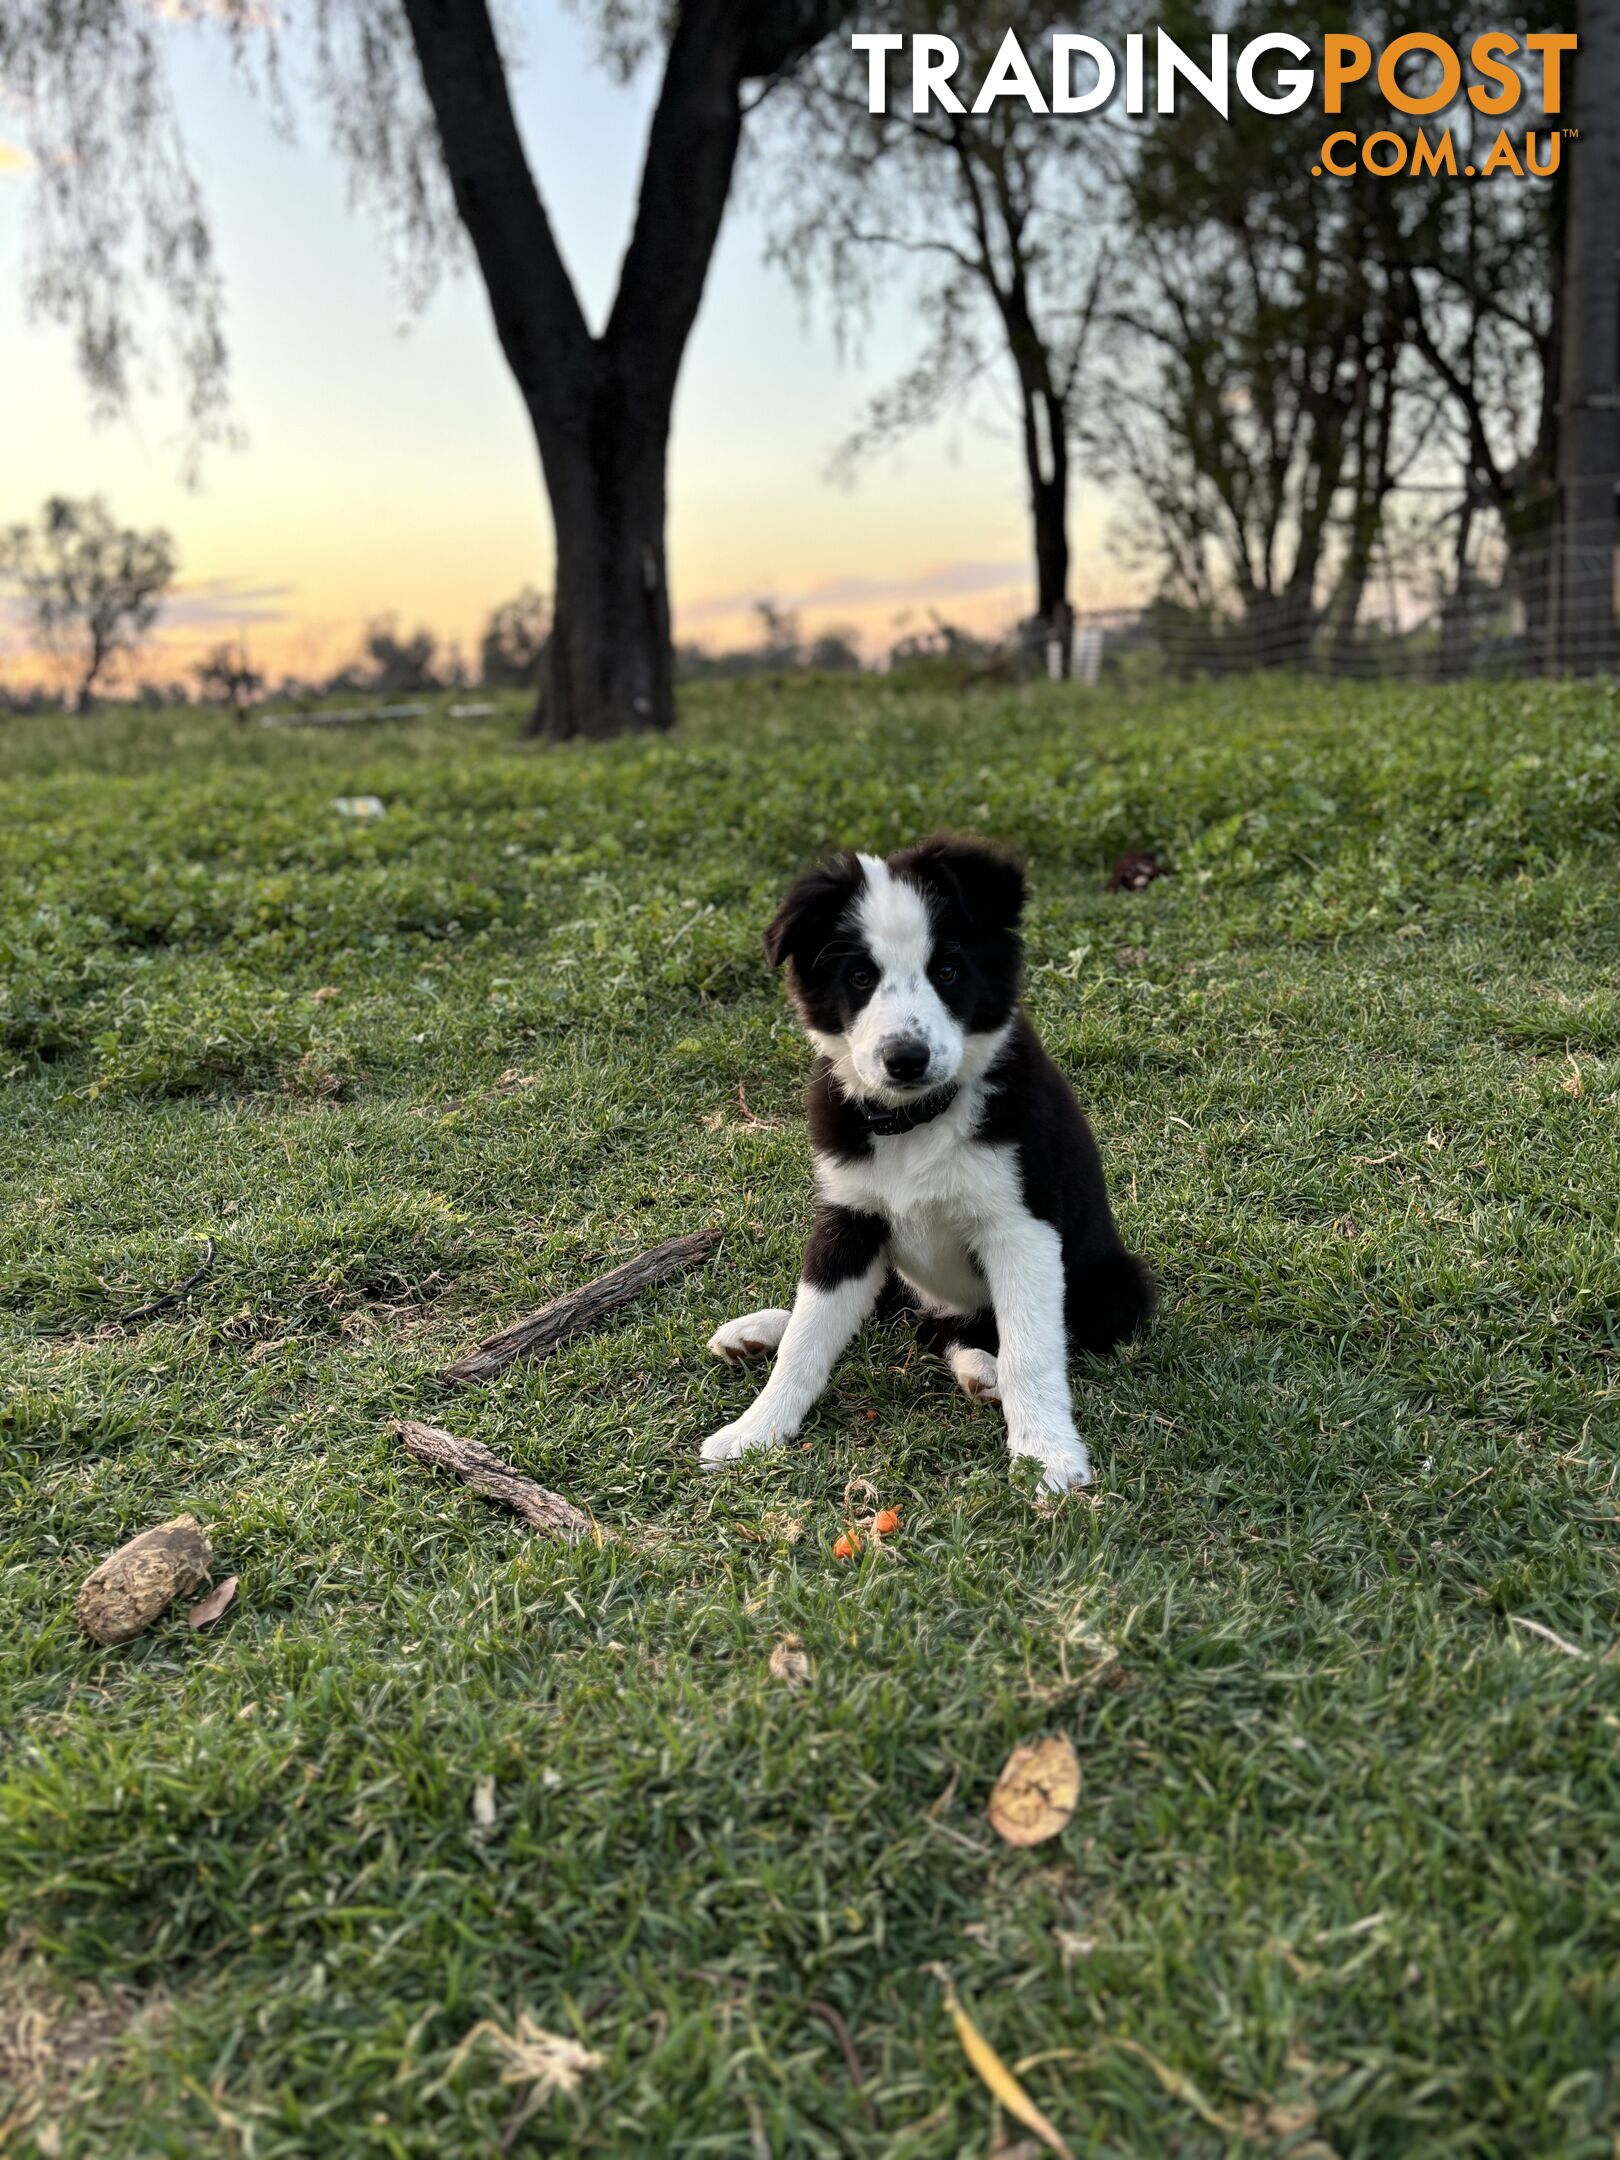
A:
[1343,1874]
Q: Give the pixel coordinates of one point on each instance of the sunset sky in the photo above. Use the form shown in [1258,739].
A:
[388,465]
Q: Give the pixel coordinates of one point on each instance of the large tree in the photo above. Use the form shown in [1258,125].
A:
[421,105]
[990,220]
[1483,296]
[1261,327]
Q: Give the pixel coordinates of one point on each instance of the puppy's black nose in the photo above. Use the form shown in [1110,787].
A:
[905,1059]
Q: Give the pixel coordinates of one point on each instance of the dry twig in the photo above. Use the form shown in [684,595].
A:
[537,1334]
[485,1472]
[169,1297]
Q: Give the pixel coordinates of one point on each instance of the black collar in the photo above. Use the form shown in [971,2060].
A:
[885,1124]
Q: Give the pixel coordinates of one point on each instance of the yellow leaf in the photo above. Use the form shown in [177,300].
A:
[995,2075]
[1036,1792]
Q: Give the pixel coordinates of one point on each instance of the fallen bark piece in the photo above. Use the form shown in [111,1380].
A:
[120,1599]
[474,1464]
[537,1334]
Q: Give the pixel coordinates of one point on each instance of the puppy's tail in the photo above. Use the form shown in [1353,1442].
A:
[1109,1299]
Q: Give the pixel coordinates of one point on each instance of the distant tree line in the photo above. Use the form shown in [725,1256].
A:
[1296,385]
[93,593]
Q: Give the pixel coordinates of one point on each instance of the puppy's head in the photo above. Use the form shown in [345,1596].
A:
[904,972]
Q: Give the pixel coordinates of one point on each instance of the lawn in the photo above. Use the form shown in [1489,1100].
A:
[1334,1634]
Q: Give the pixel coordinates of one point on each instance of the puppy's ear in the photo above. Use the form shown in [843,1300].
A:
[811,909]
[985,881]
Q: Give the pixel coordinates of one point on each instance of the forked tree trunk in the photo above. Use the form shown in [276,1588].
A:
[600,404]
[608,663]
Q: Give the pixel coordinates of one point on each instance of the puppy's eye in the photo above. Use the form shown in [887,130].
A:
[945,971]
[862,978]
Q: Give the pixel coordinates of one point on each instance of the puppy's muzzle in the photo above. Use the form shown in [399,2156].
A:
[905,1058]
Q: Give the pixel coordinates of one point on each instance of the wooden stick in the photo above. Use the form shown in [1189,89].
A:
[474,1464]
[537,1334]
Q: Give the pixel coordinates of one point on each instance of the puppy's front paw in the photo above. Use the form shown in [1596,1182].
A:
[756,1334]
[1064,1459]
[739,1438]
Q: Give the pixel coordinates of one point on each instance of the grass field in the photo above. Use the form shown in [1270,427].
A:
[1345,1873]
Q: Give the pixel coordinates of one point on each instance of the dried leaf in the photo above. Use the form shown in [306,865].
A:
[483,1806]
[1036,1792]
[207,1610]
[789,1663]
[994,2073]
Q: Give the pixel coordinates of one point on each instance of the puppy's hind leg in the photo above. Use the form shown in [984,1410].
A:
[974,1372]
[756,1334]
[968,1344]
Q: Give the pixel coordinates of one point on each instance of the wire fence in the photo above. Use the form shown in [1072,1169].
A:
[1547,609]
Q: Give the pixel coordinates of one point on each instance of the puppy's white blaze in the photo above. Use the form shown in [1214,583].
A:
[892,919]
[895,926]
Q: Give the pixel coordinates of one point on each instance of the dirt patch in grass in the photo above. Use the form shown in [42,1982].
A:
[51,2043]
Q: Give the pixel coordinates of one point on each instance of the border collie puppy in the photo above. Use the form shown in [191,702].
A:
[948,1149]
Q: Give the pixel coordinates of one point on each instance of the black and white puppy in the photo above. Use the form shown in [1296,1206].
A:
[948,1148]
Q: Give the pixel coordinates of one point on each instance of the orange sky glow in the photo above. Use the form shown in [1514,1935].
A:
[386,465]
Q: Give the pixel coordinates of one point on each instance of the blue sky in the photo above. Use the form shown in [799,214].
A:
[388,464]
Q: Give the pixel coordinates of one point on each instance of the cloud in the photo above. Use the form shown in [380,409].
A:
[225,602]
[13,159]
[191,612]
[940,581]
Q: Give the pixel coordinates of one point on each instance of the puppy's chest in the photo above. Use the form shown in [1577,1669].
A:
[936,1190]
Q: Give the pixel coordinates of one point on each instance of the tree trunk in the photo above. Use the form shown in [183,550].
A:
[600,405]
[1046,464]
[1456,626]
[1589,379]
[1050,506]
[608,665]
[1530,527]
[1374,430]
